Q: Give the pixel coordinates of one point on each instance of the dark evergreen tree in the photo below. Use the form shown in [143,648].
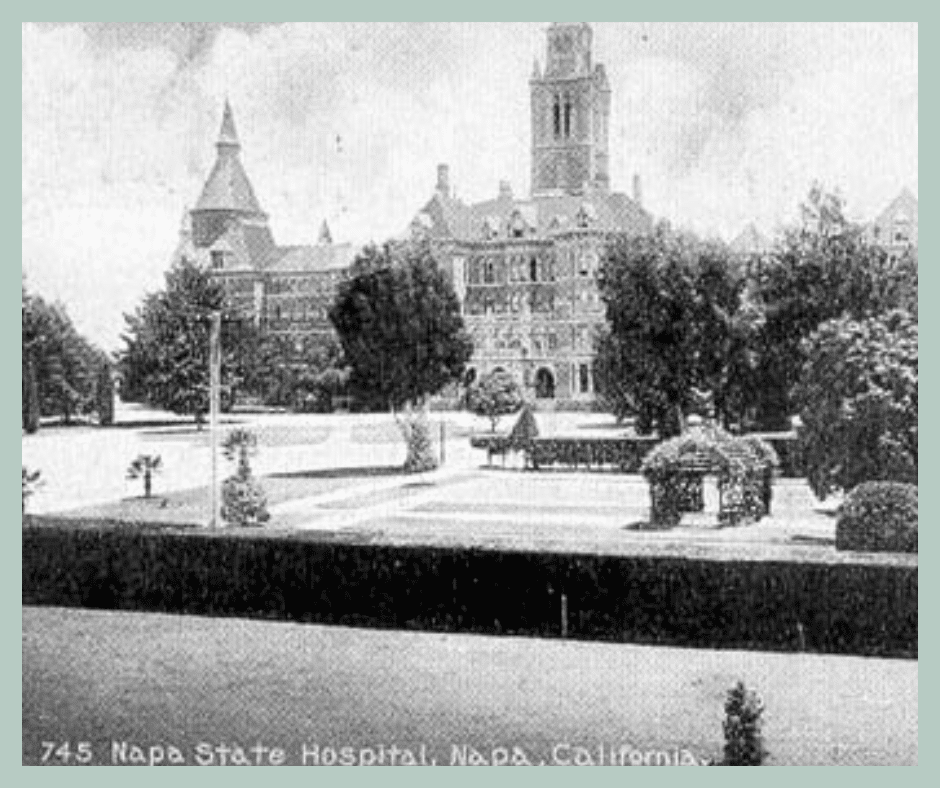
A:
[403,337]
[678,321]
[58,363]
[166,357]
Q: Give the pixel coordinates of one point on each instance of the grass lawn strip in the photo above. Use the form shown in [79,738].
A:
[101,676]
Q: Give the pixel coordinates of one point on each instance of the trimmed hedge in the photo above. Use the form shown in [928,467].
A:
[879,517]
[622,454]
[864,607]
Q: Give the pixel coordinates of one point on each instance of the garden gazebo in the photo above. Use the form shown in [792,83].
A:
[676,469]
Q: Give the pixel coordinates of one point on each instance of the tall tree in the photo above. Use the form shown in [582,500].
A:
[678,321]
[824,269]
[166,357]
[403,337]
[59,364]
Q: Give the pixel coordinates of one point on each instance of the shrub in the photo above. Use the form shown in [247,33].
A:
[31,480]
[239,445]
[144,467]
[243,502]
[744,743]
[858,402]
[879,517]
[495,395]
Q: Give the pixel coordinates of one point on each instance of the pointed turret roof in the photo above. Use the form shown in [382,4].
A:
[227,134]
[228,187]
[325,237]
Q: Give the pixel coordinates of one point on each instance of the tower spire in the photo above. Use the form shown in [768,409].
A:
[227,133]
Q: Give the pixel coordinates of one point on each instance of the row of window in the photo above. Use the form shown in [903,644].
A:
[543,380]
[323,284]
[518,268]
[492,303]
[297,313]
[539,341]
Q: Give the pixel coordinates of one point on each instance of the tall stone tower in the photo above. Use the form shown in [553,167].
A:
[570,115]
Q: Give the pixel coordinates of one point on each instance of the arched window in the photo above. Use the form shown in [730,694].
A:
[567,116]
[488,273]
[533,270]
[557,116]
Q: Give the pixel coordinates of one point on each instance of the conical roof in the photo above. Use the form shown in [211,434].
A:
[228,187]
[227,134]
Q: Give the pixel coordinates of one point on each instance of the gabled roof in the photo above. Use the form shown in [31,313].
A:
[750,241]
[310,259]
[905,203]
[548,214]
[249,245]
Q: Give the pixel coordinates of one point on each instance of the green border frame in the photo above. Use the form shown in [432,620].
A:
[110,10]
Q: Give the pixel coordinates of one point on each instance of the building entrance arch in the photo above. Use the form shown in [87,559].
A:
[544,384]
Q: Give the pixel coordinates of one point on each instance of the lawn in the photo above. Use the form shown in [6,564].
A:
[148,679]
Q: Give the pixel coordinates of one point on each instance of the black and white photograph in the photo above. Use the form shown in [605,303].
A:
[470,394]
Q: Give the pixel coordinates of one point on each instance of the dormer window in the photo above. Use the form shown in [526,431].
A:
[586,215]
[517,225]
[902,230]
[217,259]
[490,228]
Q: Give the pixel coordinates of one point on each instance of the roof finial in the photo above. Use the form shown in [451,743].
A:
[227,134]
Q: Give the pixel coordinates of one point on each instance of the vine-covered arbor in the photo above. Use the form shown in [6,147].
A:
[676,469]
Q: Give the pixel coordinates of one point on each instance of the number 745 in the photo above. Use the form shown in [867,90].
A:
[63,753]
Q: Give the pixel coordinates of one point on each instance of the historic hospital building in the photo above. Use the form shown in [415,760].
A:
[524,268]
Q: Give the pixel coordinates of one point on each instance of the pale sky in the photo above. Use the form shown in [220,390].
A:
[726,124]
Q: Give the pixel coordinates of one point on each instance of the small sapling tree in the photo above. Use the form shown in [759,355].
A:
[243,501]
[744,742]
[493,396]
[144,467]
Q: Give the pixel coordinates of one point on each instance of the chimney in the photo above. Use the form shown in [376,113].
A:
[637,191]
[505,190]
[443,179]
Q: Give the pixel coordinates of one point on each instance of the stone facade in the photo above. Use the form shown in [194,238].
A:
[895,228]
[525,270]
[287,290]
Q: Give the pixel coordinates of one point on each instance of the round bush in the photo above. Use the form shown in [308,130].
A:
[879,517]
[243,502]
